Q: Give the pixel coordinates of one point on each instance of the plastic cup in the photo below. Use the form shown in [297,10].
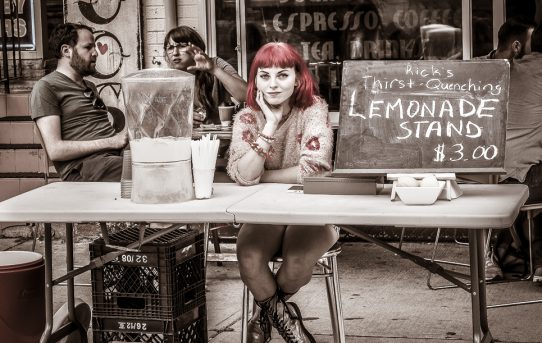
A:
[225,113]
[126,176]
[203,182]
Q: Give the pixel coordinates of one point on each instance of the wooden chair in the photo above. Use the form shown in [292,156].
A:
[532,210]
[212,234]
[47,163]
[328,269]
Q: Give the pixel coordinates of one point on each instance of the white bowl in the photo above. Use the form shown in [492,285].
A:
[419,195]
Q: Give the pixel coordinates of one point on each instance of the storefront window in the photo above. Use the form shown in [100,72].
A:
[525,11]
[482,27]
[226,31]
[327,32]
[20,25]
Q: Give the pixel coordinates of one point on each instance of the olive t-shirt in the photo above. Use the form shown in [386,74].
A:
[81,117]
[524,121]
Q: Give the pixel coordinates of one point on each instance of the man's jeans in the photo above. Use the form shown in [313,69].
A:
[534,182]
[101,167]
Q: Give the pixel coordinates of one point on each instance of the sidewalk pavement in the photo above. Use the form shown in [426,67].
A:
[385,298]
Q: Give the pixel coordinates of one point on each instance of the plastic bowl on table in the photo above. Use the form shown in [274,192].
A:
[419,195]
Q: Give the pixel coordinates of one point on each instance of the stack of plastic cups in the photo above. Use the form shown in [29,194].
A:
[126,177]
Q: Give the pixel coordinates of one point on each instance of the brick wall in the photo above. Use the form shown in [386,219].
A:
[188,14]
[22,161]
[154,26]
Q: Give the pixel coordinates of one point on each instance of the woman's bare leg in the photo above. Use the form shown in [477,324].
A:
[302,247]
[256,246]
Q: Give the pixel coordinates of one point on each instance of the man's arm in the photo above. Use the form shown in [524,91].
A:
[61,150]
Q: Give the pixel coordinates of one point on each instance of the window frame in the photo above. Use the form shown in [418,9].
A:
[498,10]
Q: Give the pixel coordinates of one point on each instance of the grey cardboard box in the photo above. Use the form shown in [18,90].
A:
[339,185]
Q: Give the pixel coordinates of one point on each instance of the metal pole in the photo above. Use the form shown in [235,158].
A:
[13,11]
[48,232]
[4,48]
[18,39]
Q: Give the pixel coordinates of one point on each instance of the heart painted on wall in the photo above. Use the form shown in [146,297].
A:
[102,47]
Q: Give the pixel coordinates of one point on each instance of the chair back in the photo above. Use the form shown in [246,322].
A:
[47,163]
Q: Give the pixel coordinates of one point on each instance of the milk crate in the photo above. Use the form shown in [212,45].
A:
[164,279]
[190,327]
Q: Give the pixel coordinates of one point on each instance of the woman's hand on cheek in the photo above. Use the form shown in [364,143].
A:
[272,115]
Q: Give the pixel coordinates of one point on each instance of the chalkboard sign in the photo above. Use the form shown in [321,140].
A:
[422,116]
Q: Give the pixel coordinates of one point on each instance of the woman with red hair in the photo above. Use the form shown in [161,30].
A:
[282,136]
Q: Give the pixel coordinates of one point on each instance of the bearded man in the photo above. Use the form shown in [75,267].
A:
[69,114]
[514,41]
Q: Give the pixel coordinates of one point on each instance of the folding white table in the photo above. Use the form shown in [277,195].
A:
[78,202]
[480,207]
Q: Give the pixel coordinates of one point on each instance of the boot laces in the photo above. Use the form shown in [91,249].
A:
[265,325]
[281,325]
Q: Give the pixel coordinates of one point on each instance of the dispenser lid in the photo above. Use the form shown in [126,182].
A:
[157,75]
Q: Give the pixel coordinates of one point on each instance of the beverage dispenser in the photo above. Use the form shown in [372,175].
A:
[159,118]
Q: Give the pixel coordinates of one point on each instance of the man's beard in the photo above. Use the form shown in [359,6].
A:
[81,66]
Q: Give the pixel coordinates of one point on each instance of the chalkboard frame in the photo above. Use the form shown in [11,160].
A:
[500,68]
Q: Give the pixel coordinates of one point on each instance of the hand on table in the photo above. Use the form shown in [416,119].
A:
[199,116]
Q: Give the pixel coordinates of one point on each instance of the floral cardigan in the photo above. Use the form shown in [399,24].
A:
[305,140]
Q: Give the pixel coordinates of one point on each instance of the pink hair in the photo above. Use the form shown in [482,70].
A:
[283,55]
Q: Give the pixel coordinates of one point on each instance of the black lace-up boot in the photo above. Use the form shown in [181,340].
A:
[259,326]
[286,318]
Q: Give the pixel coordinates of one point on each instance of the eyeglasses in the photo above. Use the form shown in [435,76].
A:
[97,102]
[171,47]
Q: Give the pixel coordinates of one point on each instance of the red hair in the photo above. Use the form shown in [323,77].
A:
[283,55]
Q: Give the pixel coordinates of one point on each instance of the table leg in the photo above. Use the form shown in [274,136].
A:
[48,335]
[205,242]
[70,285]
[69,267]
[48,284]
[480,328]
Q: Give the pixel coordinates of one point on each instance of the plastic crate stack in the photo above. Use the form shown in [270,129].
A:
[155,295]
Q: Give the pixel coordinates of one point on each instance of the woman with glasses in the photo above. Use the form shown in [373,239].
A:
[216,80]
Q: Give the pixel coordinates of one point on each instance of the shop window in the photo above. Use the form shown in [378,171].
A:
[327,32]
[525,10]
[226,31]
[482,27]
